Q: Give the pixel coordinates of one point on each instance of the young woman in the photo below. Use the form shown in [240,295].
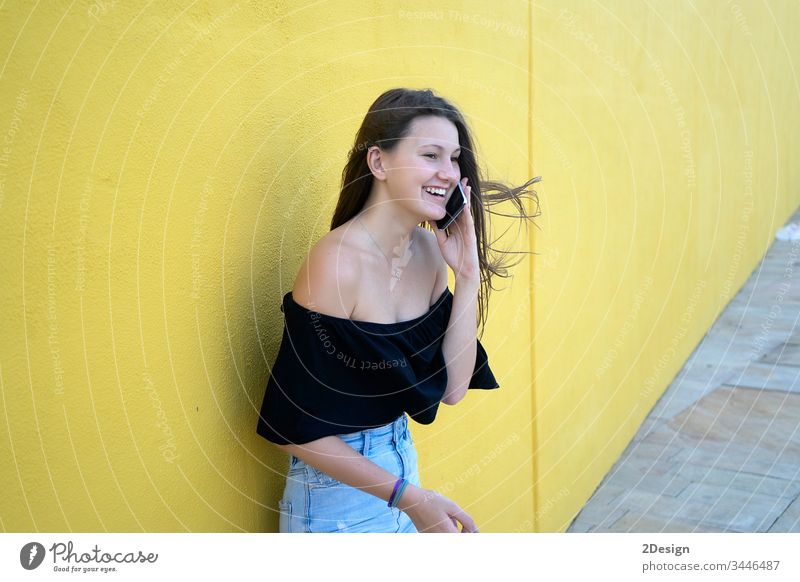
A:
[372,331]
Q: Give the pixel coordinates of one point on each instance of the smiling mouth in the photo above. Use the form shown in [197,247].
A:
[437,192]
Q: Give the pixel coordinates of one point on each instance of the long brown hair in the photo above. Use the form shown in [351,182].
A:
[385,124]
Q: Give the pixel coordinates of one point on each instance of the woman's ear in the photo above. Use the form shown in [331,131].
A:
[375,162]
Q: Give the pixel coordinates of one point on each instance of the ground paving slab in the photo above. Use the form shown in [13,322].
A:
[720,450]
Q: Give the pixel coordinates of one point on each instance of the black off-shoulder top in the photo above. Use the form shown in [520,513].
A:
[334,375]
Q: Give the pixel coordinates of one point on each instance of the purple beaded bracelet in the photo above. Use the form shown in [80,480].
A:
[399,487]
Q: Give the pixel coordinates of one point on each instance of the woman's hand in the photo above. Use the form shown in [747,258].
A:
[433,513]
[460,249]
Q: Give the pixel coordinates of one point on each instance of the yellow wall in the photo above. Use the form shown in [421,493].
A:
[169,168]
[165,169]
[667,133]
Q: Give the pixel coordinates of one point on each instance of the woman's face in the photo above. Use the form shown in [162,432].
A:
[422,171]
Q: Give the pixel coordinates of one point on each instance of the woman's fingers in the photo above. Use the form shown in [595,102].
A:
[467,525]
[440,514]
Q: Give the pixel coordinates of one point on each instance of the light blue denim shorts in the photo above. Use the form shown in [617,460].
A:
[316,502]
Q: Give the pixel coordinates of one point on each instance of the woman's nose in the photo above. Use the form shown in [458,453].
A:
[449,171]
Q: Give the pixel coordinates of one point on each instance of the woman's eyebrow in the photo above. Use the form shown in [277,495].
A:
[427,145]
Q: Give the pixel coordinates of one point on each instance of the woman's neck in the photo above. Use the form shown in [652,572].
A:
[388,228]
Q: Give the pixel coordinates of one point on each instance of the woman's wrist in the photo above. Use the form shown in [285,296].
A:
[468,278]
[412,495]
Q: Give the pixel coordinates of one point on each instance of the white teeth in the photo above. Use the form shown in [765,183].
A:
[436,191]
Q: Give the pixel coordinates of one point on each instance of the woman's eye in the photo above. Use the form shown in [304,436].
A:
[433,157]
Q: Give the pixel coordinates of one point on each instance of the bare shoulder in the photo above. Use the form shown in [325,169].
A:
[328,278]
[435,260]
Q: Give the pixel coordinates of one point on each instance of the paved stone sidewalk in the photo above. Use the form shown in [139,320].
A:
[720,451]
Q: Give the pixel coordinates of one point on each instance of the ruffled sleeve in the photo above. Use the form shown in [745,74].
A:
[482,377]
